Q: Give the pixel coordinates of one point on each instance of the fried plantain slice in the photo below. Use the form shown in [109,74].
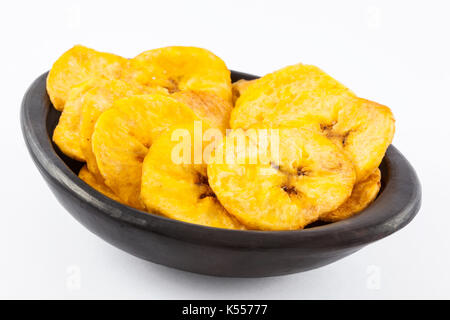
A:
[91,180]
[98,94]
[66,133]
[288,187]
[364,129]
[239,87]
[363,194]
[208,106]
[180,189]
[123,134]
[181,68]
[97,100]
[77,65]
[305,96]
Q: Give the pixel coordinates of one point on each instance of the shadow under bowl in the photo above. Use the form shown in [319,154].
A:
[206,250]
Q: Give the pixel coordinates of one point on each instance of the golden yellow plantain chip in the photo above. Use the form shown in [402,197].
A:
[208,106]
[363,194]
[97,100]
[77,120]
[282,181]
[364,129]
[173,186]
[123,134]
[239,87]
[78,65]
[305,96]
[91,180]
[67,132]
[181,68]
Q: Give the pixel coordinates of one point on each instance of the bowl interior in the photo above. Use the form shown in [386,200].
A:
[75,166]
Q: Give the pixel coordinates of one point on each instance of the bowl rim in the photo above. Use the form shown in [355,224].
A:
[396,205]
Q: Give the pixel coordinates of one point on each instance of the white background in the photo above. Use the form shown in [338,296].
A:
[393,52]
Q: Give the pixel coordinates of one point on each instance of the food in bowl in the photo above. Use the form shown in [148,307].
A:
[168,133]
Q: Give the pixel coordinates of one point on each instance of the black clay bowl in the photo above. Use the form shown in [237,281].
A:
[208,250]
